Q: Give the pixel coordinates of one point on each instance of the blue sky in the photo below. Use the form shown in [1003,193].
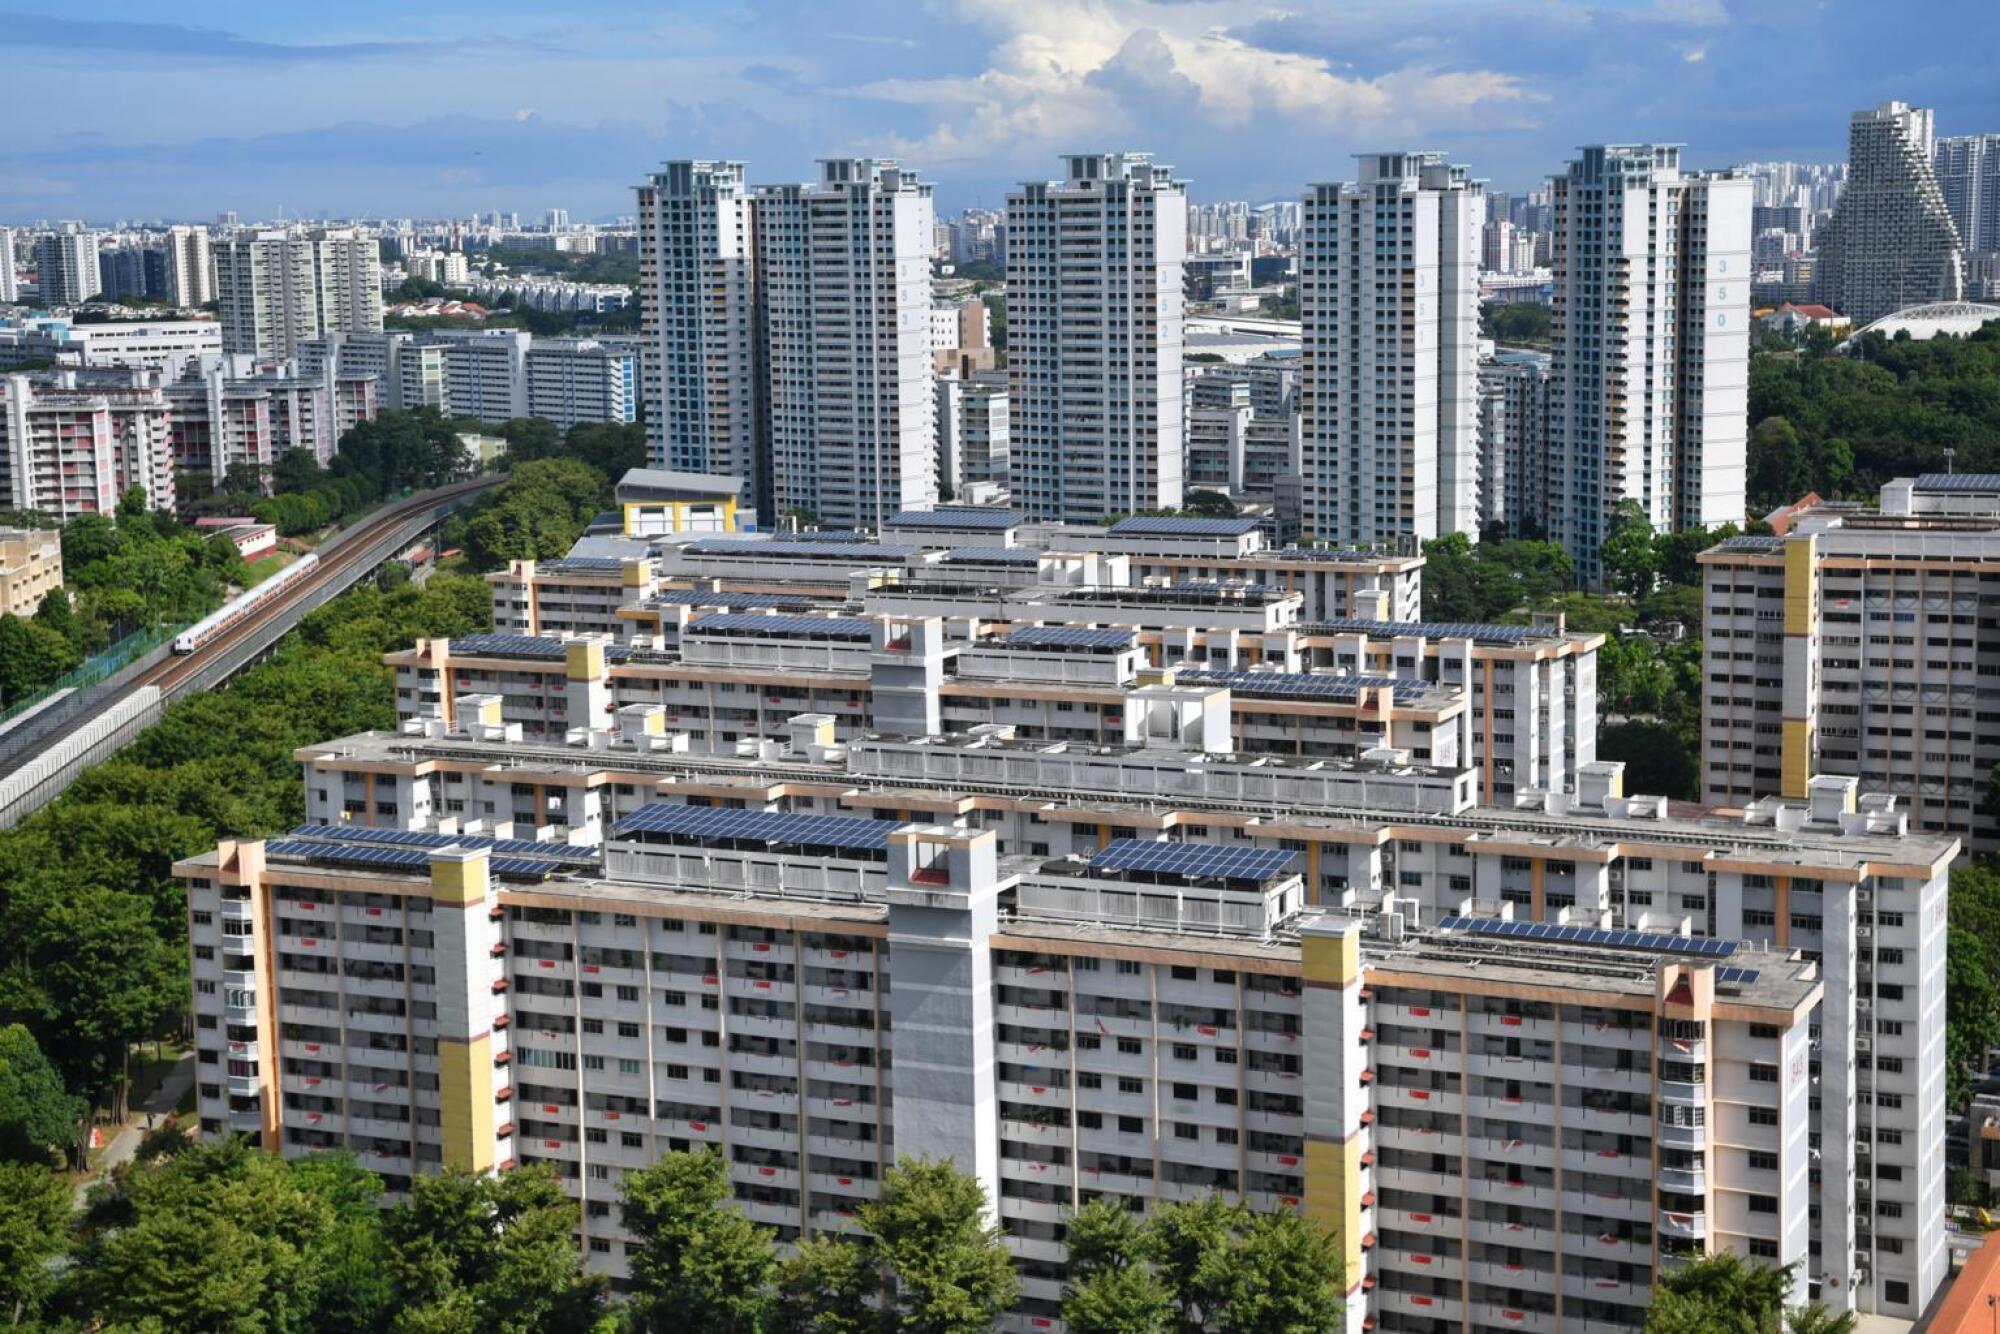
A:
[363,108]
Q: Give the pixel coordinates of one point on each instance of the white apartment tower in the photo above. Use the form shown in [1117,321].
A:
[1967,167]
[1389,294]
[1651,345]
[698,371]
[843,278]
[10,290]
[278,289]
[1891,241]
[66,266]
[1094,311]
[190,266]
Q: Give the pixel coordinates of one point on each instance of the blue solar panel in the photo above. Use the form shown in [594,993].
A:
[1730,973]
[1752,542]
[1499,634]
[803,627]
[859,552]
[411,838]
[696,597]
[1959,481]
[1162,527]
[988,521]
[834,831]
[1550,933]
[1195,861]
[358,854]
[993,555]
[590,565]
[1068,636]
[1302,685]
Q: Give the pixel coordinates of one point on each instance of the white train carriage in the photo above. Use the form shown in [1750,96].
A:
[213,624]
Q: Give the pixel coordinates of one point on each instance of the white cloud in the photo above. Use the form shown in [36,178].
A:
[1062,75]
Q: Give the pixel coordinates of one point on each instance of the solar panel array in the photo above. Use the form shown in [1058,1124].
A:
[758,623]
[581,565]
[1959,481]
[1326,554]
[1195,861]
[1481,630]
[356,854]
[833,831]
[993,555]
[1731,973]
[986,521]
[1141,526]
[413,838]
[1549,933]
[525,646]
[695,597]
[861,552]
[1752,542]
[1302,685]
[1068,636]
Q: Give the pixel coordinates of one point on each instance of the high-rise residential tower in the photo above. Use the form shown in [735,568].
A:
[1094,310]
[1650,366]
[1389,293]
[278,289]
[1967,167]
[1891,241]
[66,266]
[843,280]
[190,266]
[698,356]
[9,287]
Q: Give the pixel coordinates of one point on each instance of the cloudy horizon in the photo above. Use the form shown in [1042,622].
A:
[369,110]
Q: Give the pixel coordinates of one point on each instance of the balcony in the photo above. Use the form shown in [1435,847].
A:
[1683,1226]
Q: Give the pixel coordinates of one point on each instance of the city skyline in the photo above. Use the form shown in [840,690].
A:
[510,108]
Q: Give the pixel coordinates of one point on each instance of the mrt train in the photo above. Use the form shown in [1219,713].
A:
[236,609]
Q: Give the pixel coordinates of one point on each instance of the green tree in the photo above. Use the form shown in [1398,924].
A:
[1191,1243]
[700,1265]
[37,1114]
[34,1236]
[477,1253]
[1630,562]
[220,1237]
[1282,1276]
[948,1265]
[31,656]
[1719,1294]
[824,1285]
[1130,1300]
[1658,759]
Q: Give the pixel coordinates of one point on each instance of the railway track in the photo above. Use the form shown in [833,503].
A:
[173,673]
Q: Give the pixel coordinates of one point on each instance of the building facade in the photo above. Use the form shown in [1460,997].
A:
[1967,167]
[1513,440]
[1650,368]
[1389,300]
[31,568]
[1855,645]
[973,420]
[190,267]
[1516,1059]
[698,363]
[279,289]
[843,279]
[1094,339]
[66,269]
[1891,241]
[72,443]
[575,381]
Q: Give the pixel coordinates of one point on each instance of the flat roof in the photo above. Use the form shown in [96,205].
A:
[640,483]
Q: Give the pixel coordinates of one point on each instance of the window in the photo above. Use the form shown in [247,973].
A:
[1182,1130]
[1763,1116]
[1089,1080]
[1186,1051]
[1186,1093]
[1127,1084]
[1761,1073]
[1129,967]
[1130,1046]
[1763,1162]
[1763,1204]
